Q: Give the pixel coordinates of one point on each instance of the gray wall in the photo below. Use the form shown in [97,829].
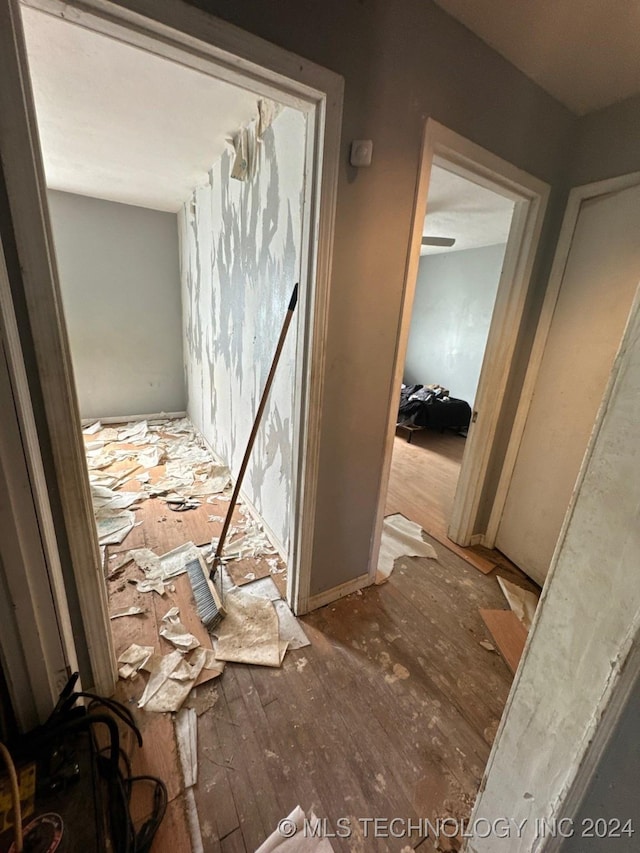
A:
[455,294]
[240,257]
[399,67]
[607,143]
[613,791]
[120,284]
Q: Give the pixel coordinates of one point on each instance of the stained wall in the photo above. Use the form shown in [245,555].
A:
[239,260]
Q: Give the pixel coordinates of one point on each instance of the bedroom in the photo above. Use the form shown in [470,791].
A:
[176,211]
[464,240]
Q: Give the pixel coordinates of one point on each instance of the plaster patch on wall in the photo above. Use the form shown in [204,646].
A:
[240,257]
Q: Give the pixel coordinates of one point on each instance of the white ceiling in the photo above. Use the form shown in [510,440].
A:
[123,124]
[458,208]
[585,53]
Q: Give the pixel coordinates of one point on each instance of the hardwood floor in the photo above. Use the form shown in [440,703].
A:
[424,475]
[422,486]
[390,713]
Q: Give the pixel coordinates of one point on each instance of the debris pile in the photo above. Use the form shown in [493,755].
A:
[167,460]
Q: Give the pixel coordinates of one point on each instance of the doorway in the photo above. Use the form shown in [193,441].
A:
[447,150]
[463,248]
[176,267]
[227,56]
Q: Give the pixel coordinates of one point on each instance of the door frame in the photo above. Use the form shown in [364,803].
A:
[443,146]
[618,664]
[577,196]
[188,35]
[36,662]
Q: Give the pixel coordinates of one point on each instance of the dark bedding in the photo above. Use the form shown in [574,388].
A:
[431,406]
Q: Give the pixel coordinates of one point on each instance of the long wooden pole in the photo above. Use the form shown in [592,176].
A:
[254,431]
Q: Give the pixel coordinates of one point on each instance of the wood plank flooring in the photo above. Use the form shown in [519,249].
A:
[422,486]
[390,713]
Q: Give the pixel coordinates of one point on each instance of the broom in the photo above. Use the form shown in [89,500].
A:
[209,607]
[254,432]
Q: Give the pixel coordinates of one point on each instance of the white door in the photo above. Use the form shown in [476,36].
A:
[600,279]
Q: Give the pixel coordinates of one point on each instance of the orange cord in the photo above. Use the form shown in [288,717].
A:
[15,796]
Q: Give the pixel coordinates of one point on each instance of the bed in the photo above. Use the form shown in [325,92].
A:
[431,407]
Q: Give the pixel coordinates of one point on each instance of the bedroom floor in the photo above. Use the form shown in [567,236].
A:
[422,486]
[424,474]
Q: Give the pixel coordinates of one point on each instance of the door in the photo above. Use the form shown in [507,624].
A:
[599,282]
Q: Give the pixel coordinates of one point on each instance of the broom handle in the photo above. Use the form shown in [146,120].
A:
[256,426]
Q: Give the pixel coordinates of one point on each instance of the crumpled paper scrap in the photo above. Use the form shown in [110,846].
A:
[171,679]
[175,632]
[133,659]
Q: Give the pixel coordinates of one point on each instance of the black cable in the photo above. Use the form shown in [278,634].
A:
[113,764]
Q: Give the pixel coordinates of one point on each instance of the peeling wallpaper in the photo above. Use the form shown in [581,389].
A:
[239,259]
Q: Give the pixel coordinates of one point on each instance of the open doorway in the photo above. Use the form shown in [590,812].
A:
[291,235]
[476,227]
[176,205]
[463,248]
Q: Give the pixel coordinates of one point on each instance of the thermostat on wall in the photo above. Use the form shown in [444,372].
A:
[361,152]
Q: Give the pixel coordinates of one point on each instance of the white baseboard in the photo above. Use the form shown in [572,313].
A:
[336,592]
[477,539]
[127,419]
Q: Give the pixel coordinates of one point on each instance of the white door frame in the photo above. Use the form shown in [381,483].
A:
[577,197]
[444,147]
[189,36]
[36,662]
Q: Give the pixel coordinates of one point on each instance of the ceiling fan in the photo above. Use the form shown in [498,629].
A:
[438,241]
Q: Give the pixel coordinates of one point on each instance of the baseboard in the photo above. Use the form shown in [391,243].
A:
[128,419]
[329,595]
[477,539]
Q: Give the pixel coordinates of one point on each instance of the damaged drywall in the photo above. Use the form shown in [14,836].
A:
[584,629]
[239,258]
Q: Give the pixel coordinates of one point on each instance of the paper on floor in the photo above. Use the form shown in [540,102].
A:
[134,659]
[187,737]
[165,566]
[211,664]
[400,538]
[291,631]
[130,611]
[151,585]
[249,633]
[175,632]
[299,842]
[151,457]
[112,529]
[174,562]
[521,601]
[133,431]
[105,499]
[253,543]
[171,679]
